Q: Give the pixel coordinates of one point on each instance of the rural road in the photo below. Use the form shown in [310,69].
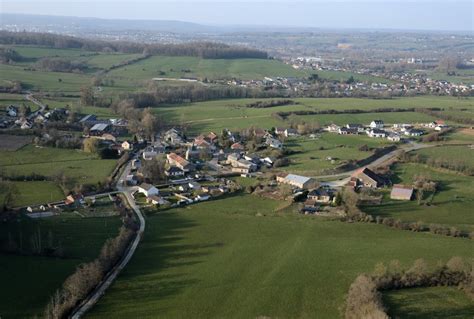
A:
[112,275]
[32,99]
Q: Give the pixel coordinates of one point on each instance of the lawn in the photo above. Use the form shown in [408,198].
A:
[221,259]
[310,157]
[452,204]
[31,280]
[429,303]
[37,192]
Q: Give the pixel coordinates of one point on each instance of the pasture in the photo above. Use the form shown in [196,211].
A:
[310,156]
[451,205]
[428,303]
[31,279]
[80,167]
[238,258]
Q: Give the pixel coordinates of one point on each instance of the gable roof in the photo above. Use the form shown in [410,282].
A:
[401,192]
[297,178]
[370,174]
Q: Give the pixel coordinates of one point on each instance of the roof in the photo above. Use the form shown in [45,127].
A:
[401,191]
[319,192]
[354,125]
[236,146]
[369,173]
[99,127]
[174,169]
[297,179]
[146,186]
[178,159]
[90,117]
[378,121]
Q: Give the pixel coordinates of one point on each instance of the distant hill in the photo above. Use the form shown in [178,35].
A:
[44,22]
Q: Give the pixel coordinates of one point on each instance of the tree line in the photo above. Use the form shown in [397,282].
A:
[364,299]
[206,50]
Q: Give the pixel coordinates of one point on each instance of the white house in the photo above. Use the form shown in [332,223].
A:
[394,138]
[377,133]
[126,145]
[376,124]
[12,111]
[274,143]
[290,132]
[333,128]
[414,132]
[148,190]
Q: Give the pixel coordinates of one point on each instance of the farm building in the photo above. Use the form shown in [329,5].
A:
[99,129]
[377,124]
[148,190]
[368,178]
[401,192]
[297,181]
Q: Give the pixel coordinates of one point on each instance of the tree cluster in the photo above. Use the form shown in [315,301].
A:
[8,55]
[206,50]
[271,103]
[87,276]
[364,297]
[61,65]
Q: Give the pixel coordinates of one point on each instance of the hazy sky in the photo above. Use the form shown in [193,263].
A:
[401,14]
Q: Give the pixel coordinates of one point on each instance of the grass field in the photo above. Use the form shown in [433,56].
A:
[221,260]
[458,154]
[79,166]
[31,280]
[452,205]
[311,160]
[429,303]
[232,114]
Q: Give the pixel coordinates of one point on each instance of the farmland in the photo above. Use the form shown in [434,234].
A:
[40,276]
[80,167]
[428,303]
[310,156]
[223,259]
[451,205]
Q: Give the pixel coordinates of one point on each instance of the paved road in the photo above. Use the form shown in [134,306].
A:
[32,99]
[100,290]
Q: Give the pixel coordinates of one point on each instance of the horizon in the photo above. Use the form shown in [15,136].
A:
[448,16]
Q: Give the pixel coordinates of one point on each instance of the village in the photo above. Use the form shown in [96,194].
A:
[173,170]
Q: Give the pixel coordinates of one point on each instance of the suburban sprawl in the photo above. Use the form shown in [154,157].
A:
[148,176]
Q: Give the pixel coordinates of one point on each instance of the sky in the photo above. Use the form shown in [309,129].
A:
[449,15]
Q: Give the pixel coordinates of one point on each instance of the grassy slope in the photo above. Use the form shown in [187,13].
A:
[80,166]
[310,160]
[31,280]
[452,205]
[463,154]
[218,259]
[428,303]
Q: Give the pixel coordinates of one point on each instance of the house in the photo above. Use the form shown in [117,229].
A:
[274,143]
[174,171]
[394,137]
[74,200]
[377,124]
[149,153]
[156,200]
[173,137]
[355,126]
[241,170]
[127,145]
[194,185]
[237,147]
[290,132]
[212,137]
[333,128]
[280,130]
[258,132]
[375,132]
[136,164]
[320,195]
[202,144]
[347,131]
[368,178]
[401,192]
[88,119]
[414,132]
[12,111]
[297,181]
[131,180]
[148,190]
[99,129]
[176,160]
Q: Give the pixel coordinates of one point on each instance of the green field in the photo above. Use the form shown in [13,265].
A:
[31,280]
[452,205]
[222,260]
[310,160]
[232,114]
[429,303]
[81,167]
[458,154]
[189,67]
